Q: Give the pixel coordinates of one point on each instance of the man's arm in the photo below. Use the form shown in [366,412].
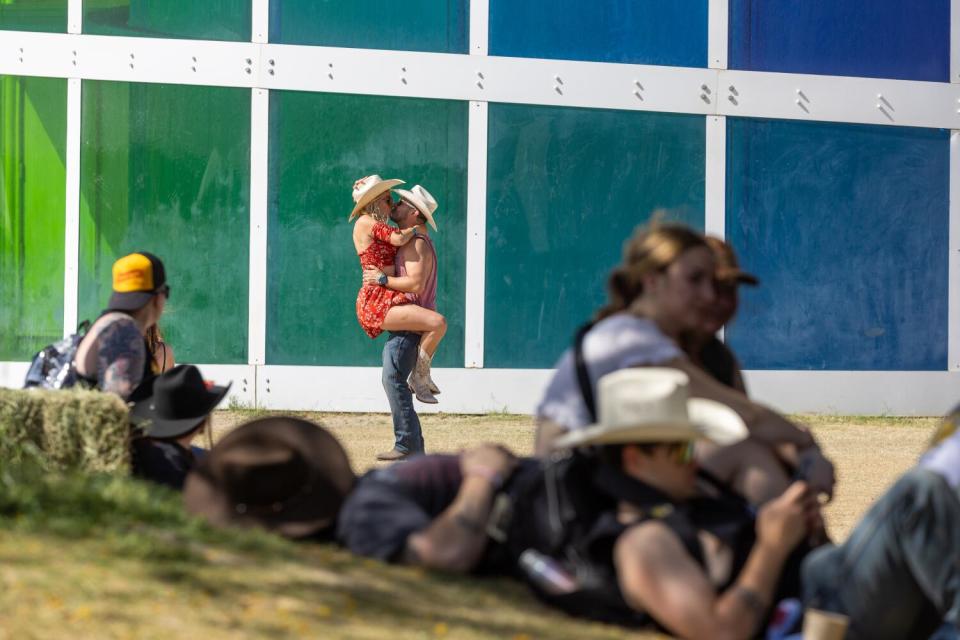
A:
[418,262]
[455,540]
[120,358]
[657,575]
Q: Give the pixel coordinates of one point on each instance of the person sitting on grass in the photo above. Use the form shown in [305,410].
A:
[662,290]
[703,567]
[166,423]
[278,473]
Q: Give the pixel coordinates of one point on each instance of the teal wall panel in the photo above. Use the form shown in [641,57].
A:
[34,15]
[204,19]
[319,145]
[33,138]
[414,25]
[566,188]
[166,169]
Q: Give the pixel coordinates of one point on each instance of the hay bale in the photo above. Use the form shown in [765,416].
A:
[72,429]
[21,426]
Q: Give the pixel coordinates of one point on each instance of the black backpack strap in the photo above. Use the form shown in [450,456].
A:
[583,375]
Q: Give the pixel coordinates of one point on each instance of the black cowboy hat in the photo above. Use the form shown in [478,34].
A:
[283,474]
[179,402]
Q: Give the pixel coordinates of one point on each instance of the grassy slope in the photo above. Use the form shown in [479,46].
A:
[101,557]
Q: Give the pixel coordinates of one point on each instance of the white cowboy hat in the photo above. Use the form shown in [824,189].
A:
[421,200]
[653,405]
[368,189]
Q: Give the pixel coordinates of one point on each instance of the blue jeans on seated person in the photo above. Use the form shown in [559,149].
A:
[399,359]
[898,574]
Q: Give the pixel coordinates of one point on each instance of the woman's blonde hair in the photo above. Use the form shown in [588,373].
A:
[651,249]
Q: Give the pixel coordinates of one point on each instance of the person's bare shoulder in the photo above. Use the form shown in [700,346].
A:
[121,356]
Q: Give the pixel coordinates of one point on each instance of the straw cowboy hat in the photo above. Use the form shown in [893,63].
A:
[179,402]
[728,267]
[283,474]
[653,405]
[421,200]
[368,189]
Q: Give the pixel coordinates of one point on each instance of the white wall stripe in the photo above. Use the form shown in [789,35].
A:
[953,280]
[479,27]
[955,41]
[718,19]
[716,176]
[474,312]
[260,20]
[75,16]
[259,178]
[484,78]
[71,240]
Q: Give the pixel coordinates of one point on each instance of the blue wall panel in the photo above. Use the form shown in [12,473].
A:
[566,188]
[667,32]
[847,228]
[906,39]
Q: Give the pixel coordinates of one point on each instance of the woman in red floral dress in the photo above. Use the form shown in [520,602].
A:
[376,243]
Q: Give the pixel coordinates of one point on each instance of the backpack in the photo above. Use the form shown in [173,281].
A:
[54,367]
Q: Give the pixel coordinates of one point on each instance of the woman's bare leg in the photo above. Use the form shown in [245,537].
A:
[432,327]
[412,317]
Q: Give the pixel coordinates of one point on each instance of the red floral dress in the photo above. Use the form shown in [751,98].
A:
[374,301]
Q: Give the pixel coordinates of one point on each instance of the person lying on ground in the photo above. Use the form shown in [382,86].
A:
[700,568]
[278,473]
[114,355]
[432,511]
[166,422]
[663,289]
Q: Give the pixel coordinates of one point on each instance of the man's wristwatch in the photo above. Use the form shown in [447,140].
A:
[382,280]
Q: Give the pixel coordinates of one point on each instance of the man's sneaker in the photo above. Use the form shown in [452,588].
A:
[393,455]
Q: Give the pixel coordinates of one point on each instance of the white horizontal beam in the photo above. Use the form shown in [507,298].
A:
[483,78]
[242,390]
[352,389]
[835,99]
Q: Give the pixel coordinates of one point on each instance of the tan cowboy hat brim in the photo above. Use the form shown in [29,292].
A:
[418,204]
[708,420]
[372,194]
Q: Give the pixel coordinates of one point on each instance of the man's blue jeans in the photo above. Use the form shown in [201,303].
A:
[399,359]
[898,574]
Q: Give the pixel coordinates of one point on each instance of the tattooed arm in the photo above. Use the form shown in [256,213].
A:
[120,358]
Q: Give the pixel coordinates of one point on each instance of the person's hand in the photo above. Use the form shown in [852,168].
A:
[490,461]
[371,275]
[782,523]
[814,468]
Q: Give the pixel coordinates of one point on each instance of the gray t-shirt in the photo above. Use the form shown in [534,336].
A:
[944,458]
[618,342]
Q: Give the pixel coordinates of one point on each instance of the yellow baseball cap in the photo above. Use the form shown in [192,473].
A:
[136,279]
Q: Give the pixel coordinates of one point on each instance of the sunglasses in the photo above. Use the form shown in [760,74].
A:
[681,453]
[165,290]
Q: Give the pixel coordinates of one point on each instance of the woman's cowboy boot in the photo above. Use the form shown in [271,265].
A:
[419,379]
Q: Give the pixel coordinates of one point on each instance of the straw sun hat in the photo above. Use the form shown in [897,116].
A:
[368,189]
[653,405]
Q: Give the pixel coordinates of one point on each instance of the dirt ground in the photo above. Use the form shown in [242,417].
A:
[869,453]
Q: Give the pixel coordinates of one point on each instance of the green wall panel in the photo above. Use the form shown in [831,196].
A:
[33,125]
[203,19]
[166,169]
[34,15]
[319,145]
[566,188]
[414,25]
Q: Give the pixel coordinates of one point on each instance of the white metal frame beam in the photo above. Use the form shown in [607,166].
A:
[483,78]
